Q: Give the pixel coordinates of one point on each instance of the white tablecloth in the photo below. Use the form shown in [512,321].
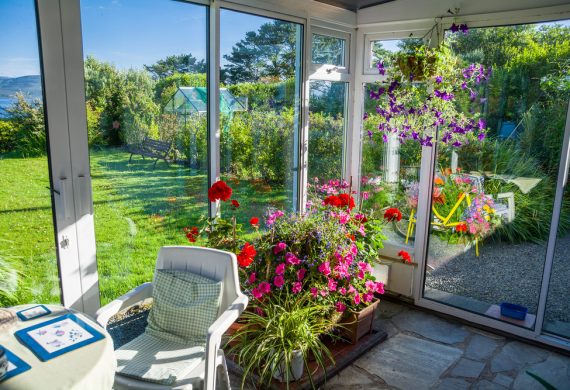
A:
[90,367]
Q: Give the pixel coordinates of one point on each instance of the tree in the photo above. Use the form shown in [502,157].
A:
[269,52]
[27,121]
[181,63]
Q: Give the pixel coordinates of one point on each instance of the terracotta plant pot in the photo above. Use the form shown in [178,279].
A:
[357,324]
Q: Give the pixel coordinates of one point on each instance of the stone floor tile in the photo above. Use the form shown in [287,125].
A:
[388,309]
[351,376]
[554,370]
[503,380]
[468,368]
[515,355]
[387,326]
[482,332]
[430,326]
[452,384]
[486,385]
[408,362]
[480,347]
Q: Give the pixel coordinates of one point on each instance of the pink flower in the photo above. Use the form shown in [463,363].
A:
[273,216]
[360,275]
[251,278]
[361,231]
[280,269]
[290,258]
[301,274]
[314,292]
[259,311]
[353,249]
[357,299]
[365,195]
[380,287]
[278,281]
[368,297]
[365,267]
[351,289]
[324,292]
[332,285]
[325,268]
[342,291]
[297,286]
[280,247]
[257,294]
[370,285]
[340,307]
[264,287]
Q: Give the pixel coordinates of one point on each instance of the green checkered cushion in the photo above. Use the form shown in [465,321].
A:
[184,306]
[154,359]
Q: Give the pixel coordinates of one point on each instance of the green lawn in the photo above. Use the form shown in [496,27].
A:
[137,210]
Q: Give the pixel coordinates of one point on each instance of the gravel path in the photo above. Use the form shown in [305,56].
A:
[506,272]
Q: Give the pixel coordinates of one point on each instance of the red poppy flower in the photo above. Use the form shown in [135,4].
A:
[254,221]
[235,203]
[246,255]
[393,214]
[332,200]
[346,200]
[219,191]
[191,233]
[405,256]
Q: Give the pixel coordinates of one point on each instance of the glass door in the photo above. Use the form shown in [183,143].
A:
[28,253]
[493,200]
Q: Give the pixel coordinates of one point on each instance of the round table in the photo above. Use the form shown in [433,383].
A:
[89,367]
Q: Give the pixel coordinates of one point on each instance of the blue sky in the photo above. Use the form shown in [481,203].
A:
[128,33]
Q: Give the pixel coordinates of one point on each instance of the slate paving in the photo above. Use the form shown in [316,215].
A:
[424,351]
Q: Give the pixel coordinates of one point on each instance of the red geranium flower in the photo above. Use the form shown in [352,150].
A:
[393,214]
[332,200]
[346,200]
[191,233]
[219,191]
[235,203]
[254,221]
[405,256]
[461,228]
[246,255]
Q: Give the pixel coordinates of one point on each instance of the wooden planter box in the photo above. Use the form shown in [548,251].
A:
[358,324]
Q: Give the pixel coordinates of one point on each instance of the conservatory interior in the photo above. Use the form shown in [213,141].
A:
[340,194]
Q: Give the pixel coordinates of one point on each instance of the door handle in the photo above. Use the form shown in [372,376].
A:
[64,197]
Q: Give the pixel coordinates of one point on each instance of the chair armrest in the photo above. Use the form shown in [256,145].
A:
[137,294]
[214,339]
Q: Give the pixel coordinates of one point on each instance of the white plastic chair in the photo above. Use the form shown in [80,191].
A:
[211,263]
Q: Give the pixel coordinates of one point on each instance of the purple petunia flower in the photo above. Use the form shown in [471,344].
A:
[454,28]
[463,28]
[438,79]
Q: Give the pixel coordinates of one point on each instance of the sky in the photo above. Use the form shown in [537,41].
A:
[127,33]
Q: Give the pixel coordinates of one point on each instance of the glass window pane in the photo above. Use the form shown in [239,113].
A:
[390,171]
[28,259]
[328,50]
[510,177]
[261,68]
[327,123]
[384,50]
[147,118]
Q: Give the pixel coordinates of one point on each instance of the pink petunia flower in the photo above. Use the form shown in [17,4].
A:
[356,299]
[278,281]
[365,267]
[256,292]
[280,247]
[368,297]
[301,274]
[280,269]
[314,292]
[297,287]
[342,291]
[351,289]
[324,292]
[325,268]
[332,285]
[340,307]
[380,287]
[370,285]
[264,287]
[290,258]
[251,278]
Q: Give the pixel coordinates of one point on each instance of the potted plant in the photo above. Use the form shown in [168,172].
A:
[279,338]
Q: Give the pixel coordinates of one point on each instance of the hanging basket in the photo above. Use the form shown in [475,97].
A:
[420,67]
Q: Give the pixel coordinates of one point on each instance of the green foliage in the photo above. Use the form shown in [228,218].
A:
[27,120]
[95,136]
[7,136]
[267,343]
[182,63]
[266,53]
[139,111]
[326,140]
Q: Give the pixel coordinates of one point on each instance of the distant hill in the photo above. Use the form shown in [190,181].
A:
[30,86]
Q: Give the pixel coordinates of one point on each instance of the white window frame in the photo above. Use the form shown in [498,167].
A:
[325,71]
[386,36]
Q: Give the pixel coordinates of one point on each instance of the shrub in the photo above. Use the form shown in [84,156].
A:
[7,136]
[28,121]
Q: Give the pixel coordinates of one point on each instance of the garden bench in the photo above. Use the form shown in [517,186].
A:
[152,148]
